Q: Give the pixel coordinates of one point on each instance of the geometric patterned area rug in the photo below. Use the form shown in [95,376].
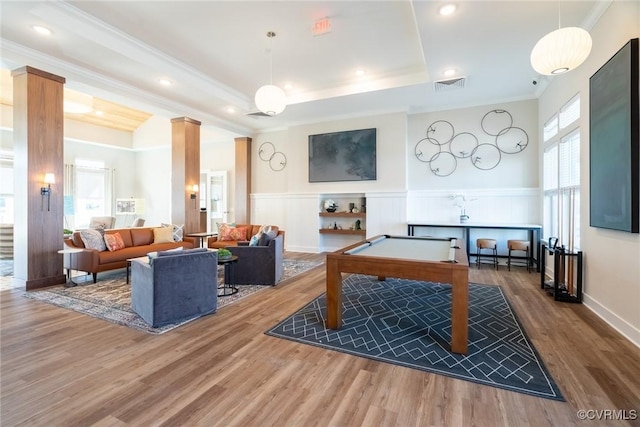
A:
[110,298]
[408,323]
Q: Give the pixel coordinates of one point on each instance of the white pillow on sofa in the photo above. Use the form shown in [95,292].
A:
[93,239]
[270,231]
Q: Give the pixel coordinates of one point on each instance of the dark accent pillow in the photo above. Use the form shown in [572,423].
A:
[264,240]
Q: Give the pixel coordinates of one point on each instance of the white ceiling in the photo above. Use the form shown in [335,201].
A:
[216,53]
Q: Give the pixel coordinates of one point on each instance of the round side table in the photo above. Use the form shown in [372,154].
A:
[227,288]
[71,251]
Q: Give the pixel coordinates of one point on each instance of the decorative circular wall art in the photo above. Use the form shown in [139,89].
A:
[442,147]
[463,144]
[443,164]
[486,157]
[276,159]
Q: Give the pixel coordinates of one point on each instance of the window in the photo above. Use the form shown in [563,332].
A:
[561,176]
[570,113]
[91,191]
[550,128]
[6,188]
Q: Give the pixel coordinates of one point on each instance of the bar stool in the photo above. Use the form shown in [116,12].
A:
[519,245]
[490,244]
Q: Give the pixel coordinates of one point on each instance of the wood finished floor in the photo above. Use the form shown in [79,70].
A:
[61,368]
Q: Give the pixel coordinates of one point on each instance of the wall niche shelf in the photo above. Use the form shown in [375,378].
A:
[344,214]
[349,232]
[344,220]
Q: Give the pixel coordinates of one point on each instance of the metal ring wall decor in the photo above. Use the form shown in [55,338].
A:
[512,140]
[426,148]
[443,164]
[495,121]
[486,157]
[441,132]
[463,144]
[276,159]
[266,151]
[442,147]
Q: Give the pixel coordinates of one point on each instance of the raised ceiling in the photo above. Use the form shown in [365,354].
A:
[216,54]
[104,113]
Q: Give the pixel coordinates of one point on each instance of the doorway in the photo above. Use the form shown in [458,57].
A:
[214,201]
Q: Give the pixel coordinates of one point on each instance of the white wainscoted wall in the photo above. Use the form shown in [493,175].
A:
[297,214]
[489,205]
[485,206]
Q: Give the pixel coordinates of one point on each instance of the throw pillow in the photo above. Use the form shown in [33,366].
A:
[163,235]
[223,224]
[232,233]
[92,239]
[270,230]
[178,231]
[114,241]
[171,251]
[254,239]
[264,240]
[153,255]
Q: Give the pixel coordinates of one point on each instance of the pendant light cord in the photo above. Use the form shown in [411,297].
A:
[559,23]
[271,35]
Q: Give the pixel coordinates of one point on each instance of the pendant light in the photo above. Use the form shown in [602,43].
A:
[561,50]
[271,99]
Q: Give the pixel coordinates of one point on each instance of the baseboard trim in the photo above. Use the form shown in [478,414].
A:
[613,320]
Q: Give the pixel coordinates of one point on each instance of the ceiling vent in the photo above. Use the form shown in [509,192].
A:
[450,84]
[258,114]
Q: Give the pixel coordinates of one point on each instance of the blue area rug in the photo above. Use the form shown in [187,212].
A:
[408,323]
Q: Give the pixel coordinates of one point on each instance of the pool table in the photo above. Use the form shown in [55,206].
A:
[419,258]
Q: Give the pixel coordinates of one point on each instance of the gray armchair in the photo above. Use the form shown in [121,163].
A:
[258,265]
[174,286]
[105,222]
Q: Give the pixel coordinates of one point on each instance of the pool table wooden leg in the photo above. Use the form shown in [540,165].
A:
[460,312]
[334,295]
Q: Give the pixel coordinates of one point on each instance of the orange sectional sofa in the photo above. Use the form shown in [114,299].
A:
[137,241]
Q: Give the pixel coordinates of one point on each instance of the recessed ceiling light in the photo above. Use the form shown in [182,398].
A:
[41,30]
[447,9]
[288,86]
[450,72]
[360,72]
[99,113]
[165,82]
[230,110]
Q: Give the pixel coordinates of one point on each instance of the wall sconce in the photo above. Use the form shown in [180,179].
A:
[49,179]
[194,190]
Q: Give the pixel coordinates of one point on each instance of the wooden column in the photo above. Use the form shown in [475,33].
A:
[185,172]
[242,191]
[38,122]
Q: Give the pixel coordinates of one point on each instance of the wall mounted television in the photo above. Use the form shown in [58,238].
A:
[343,156]
[614,145]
